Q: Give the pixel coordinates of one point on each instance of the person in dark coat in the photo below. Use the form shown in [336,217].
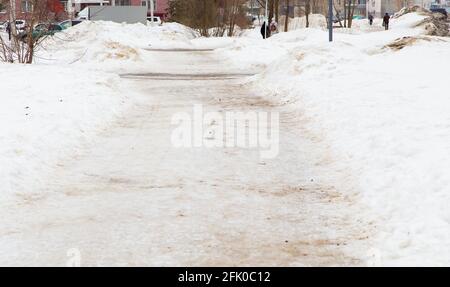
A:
[265,32]
[386,19]
[370,19]
[8,30]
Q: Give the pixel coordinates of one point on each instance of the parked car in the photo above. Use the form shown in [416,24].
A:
[439,10]
[46,30]
[69,23]
[83,14]
[42,30]
[21,25]
[157,20]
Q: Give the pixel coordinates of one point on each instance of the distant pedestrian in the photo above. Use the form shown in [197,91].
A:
[265,32]
[386,19]
[8,30]
[370,19]
[273,27]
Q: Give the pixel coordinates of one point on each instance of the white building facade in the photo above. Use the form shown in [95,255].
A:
[378,8]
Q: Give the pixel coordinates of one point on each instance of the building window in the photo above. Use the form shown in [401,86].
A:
[27,6]
[123,2]
[64,3]
[147,3]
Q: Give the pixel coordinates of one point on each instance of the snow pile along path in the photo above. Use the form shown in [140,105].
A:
[110,46]
[46,113]
[51,108]
[130,197]
[315,21]
[362,177]
[385,111]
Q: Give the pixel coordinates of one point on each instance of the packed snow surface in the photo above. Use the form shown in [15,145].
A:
[378,101]
[386,114]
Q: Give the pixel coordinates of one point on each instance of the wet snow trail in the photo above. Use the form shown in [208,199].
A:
[131,198]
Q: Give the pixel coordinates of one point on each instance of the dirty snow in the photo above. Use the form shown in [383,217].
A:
[126,196]
[112,46]
[46,113]
[385,113]
[381,115]
[49,109]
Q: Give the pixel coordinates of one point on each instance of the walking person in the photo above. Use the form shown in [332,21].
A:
[370,19]
[273,27]
[386,19]
[265,31]
[8,30]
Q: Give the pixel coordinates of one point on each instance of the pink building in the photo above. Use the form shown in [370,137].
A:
[24,6]
[21,7]
[161,6]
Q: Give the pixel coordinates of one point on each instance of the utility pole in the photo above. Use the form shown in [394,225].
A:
[330,20]
[152,11]
[267,19]
[12,17]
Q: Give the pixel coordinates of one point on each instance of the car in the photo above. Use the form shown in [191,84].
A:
[83,14]
[435,6]
[46,30]
[42,30]
[439,10]
[69,23]
[157,20]
[21,25]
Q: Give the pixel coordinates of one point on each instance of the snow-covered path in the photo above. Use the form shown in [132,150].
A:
[131,198]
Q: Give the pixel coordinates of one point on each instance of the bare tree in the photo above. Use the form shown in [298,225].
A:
[234,12]
[22,44]
[277,10]
[271,11]
[286,20]
[307,11]
[349,12]
[210,17]
[338,16]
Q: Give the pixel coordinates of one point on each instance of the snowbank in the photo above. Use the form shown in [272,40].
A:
[50,108]
[108,45]
[47,112]
[315,21]
[250,51]
[384,111]
[385,114]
